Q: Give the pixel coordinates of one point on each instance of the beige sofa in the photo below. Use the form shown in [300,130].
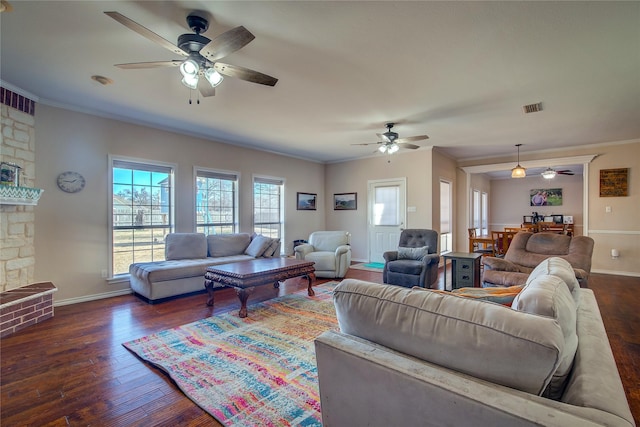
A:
[527,250]
[187,256]
[421,357]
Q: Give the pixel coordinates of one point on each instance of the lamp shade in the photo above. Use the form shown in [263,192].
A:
[190,81]
[214,77]
[518,172]
[189,68]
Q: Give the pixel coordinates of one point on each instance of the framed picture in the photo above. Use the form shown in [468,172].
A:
[614,182]
[306,201]
[545,197]
[345,201]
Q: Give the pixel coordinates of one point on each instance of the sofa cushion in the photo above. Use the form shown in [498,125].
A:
[405,266]
[561,268]
[413,253]
[257,246]
[549,296]
[227,244]
[185,246]
[159,271]
[466,335]
[324,261]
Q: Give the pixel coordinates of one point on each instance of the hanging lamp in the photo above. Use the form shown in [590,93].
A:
[518,171]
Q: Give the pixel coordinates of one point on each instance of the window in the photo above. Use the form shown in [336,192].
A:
[485,213]
[268,206]
[216,202]
[142,212]
[476,211]
[446,237]
[481,212]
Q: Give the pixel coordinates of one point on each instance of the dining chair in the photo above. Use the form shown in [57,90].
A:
[485,250]
[501,241]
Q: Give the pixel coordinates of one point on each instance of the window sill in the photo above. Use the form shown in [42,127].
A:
[122,278]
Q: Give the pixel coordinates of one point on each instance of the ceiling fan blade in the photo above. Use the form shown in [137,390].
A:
[205,88]
[227,43]
[145,32]
[383,137]
[565,172]
[245,74]
[409,146]
[155,64]
[411,138]
[368,143]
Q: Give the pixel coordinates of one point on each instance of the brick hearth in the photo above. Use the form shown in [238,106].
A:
[25,306]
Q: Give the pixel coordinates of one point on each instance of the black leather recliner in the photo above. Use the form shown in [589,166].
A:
[415,263]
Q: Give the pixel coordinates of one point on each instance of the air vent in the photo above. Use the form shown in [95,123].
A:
[532,108]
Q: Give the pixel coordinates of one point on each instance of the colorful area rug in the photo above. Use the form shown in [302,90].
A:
[260,370]
[369,266]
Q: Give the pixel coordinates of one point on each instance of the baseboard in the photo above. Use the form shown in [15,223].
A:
[94,297]
[617,273]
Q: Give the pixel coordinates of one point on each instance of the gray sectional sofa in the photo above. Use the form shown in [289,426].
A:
[187,256]
[431,358]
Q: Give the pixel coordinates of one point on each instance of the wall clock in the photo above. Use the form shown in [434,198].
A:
[71,182]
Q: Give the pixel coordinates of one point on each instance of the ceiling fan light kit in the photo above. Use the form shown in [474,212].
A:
[518,171]
[391,143]
[548,174]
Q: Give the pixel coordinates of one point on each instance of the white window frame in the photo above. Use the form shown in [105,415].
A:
[256,221]
[446,228]
[226,227]
[145,164]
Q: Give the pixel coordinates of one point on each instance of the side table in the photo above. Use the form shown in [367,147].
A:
[465,269]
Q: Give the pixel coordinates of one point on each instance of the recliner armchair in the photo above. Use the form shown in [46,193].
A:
[415,263]
[329,250]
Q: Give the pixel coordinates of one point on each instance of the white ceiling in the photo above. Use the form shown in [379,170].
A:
[457,71]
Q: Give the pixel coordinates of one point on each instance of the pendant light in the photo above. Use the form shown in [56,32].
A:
[518,171]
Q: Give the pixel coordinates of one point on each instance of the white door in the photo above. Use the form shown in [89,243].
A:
[387,216]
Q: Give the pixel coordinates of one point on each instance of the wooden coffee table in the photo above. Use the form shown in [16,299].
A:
[244,276]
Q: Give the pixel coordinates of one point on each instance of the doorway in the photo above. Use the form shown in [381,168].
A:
[386,205]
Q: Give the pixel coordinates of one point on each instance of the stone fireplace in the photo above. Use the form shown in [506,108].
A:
[22,303]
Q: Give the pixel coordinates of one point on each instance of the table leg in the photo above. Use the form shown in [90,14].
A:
[243,294]
[208,284]
[310,290]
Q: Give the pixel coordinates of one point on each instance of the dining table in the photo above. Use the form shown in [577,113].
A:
[484,240]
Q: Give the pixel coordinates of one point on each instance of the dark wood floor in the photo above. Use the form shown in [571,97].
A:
[73,370]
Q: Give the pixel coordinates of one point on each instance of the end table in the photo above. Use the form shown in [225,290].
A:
[465,269]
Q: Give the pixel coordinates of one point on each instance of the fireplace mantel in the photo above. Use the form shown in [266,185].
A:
[12,195]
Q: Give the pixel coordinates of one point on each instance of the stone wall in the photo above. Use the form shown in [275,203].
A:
[17,254]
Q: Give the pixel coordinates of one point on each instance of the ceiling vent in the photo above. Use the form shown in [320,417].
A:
[532,108]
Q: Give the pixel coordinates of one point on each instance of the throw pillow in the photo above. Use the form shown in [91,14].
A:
[413,253]
[257,246]
[271,249]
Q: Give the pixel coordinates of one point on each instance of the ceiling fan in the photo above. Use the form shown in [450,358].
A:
[390,143]
[202,54]
[550,173]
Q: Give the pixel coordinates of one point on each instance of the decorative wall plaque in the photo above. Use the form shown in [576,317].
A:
[614,182]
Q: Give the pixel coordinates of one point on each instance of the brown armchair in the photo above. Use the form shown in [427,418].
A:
[527,250]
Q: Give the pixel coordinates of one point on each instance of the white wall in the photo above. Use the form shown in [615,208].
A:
[353,176]
[509,200]
[72,243]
